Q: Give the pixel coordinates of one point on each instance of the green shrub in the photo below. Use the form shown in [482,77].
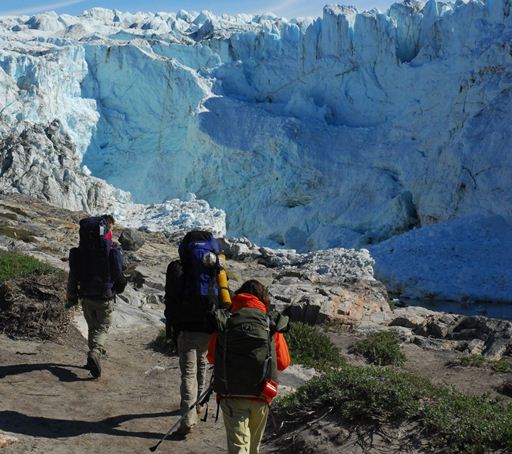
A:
[312,348]
[14,264]
[375,396]
[471,361]
[502,365]
[381,348]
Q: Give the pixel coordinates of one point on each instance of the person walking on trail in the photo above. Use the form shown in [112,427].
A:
[247,351]
[191,297]
[95,277]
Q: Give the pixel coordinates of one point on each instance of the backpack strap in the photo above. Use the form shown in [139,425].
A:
[221,319]
[267,368]
[279,323]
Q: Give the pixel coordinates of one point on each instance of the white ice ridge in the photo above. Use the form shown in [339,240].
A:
[339,131]
[172,215]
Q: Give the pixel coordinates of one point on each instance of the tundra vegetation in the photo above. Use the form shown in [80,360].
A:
[380,397]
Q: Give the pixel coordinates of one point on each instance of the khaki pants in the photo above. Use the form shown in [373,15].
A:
[245,422]
[192,348]
[98,315]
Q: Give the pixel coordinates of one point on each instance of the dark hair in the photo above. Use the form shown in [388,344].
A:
[109,219]
[255,288]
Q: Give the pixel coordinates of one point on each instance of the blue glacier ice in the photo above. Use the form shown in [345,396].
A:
[346,130]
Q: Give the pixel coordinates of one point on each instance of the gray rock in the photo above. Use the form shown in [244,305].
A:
[435,344]
[41,161]
[293,377]
[413,317]
[137,278]
[496,347]
[467,334]
[441,327]
[405,334]
[366,327]
[475,347]
[239,248]
[131,240]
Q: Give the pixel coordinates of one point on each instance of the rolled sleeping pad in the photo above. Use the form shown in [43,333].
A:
[222,282]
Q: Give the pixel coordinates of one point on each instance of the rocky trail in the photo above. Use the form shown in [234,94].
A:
[48,402]
[51,404]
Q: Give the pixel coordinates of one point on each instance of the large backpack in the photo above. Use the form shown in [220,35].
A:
[96,262]
[245,353]
[200,280]
[191,288]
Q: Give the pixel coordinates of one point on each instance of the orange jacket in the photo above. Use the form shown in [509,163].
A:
[246,300]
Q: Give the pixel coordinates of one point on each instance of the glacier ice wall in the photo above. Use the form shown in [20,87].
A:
[345,130]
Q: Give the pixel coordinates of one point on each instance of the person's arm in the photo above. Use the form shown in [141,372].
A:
[282,354]
[72,288]
[116,269]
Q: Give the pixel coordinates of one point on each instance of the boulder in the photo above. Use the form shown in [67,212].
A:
[475,347]
[413,317]
[435,344]
[131,240]
[239,248]
[441,327]
[506,388]
[361,302]
[496,347]
[405,334]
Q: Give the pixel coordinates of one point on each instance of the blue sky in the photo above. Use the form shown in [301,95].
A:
[287,8]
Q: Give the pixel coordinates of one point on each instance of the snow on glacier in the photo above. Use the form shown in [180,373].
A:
[341,131]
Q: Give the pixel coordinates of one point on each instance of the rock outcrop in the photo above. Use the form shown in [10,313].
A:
[474,335]
[42,161]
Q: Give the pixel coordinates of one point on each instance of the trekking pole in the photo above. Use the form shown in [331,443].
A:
[203,398]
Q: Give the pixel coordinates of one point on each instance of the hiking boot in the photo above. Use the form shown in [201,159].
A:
[93,364]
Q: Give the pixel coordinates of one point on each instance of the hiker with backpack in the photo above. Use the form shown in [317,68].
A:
[191,297]
[95,277]
[247,350]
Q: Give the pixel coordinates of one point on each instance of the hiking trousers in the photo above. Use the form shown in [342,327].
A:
[192,348]
[98,315]
[245,421]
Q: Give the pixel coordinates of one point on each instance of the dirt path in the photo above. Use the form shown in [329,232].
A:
[50,404]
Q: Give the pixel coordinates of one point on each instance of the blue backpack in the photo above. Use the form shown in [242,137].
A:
[191,289]
[200,279]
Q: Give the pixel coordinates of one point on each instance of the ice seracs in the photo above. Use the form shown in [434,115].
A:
[344,130]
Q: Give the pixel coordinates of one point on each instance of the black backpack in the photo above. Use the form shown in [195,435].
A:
[245,353]
[96,262]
